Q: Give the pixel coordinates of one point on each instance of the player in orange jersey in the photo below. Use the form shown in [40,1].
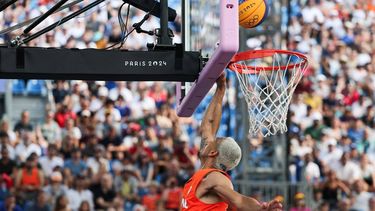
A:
[210,188]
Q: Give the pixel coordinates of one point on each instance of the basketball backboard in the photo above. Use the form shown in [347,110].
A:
[211,26]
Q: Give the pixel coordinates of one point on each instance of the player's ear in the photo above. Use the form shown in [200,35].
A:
[213,153]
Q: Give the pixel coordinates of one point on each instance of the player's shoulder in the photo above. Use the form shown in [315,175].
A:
[217,178]
[217,175]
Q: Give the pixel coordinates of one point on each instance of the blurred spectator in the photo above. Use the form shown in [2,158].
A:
[7,165]
[27,146]
[71,130]
[331,188]
[299,108]
[69,144]
[140,147]
[367,172]
[4,142]
[317,199]
[98,100]
[51,161]
[312,170]
[346,170]
[75,164]
[171,196]
[84,109]
[330,153]
[146,169]
[50,130]
[344,205]
[89,144]
[145,105]
[40,203]
[300,204]
[80,194]
[6,184]
[98,164]
[29,179]
[55,188]
[129,186]
[151,200]
[63,115]
[356,132]
[123,107]
[111,139]
[61,204]
[24,124]
[85,206]
[360,196]
[316,130]
[108,112]
[104,194]
[10,204]
[121,90]
[59,92]
[4,128]
[185,154]
[325,206]
[158,94]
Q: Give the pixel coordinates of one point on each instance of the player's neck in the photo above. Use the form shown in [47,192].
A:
[208,164]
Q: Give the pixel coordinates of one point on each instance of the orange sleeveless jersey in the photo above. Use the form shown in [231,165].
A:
[190,202]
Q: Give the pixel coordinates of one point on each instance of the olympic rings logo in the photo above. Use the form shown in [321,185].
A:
[253,21]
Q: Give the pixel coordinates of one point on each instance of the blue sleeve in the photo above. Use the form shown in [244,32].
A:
[66,164]
[83,165]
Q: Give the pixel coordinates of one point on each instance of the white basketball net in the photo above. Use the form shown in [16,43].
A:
[268,84]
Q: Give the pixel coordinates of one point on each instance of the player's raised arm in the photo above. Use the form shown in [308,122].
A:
[219,184]
[211,120]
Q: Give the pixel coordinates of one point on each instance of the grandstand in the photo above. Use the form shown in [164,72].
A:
[122,142]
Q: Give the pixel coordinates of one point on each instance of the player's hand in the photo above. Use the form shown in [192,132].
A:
[221,81]
[273,205]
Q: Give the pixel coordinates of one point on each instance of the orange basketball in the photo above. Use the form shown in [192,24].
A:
[252,12]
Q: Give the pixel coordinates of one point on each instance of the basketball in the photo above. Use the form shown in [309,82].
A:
[252,12]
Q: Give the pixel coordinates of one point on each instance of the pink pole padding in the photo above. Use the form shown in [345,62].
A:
[228,47]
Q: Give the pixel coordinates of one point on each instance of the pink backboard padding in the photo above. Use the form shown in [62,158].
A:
[228,47]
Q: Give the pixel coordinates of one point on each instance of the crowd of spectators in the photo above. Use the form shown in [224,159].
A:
[332,113]
[108,146]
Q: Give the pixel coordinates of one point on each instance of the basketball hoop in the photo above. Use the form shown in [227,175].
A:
[268,79]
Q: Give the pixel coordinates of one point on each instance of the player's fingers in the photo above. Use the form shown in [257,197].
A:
[264,205]
[276,205]
[273,202]
[276,208]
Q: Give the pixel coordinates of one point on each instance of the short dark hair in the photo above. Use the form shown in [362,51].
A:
[3,149]
[76,150]
[4,135]
[52,146]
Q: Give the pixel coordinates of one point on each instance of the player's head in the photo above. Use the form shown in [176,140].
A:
[225,152]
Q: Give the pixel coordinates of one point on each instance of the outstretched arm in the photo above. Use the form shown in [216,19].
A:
[211,120]
[219,184]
